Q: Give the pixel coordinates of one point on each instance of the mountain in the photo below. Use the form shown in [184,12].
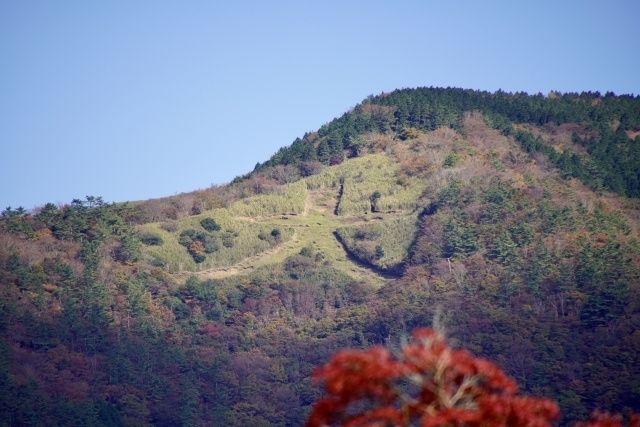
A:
[512,219]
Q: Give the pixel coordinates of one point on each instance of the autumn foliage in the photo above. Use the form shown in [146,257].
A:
[427,384]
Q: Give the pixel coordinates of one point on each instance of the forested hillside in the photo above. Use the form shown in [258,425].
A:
[511,218]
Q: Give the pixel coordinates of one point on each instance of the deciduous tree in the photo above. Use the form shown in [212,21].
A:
[428,383]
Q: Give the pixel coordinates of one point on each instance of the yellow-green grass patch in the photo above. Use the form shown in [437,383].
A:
[361,178]
[290,199]
[236,241]
[384,244]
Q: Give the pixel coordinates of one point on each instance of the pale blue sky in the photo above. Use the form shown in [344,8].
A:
[132,100]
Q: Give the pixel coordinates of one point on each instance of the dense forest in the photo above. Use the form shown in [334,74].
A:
[512,219]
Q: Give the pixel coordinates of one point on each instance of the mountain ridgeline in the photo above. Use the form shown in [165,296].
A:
[614,156]
[511,219]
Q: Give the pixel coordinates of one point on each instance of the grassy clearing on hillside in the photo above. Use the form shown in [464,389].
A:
[315,232]
[383,244]
[361,178]
[236,240]
[290,199]
[384,182]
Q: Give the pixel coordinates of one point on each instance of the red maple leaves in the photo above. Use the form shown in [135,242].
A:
[427,384]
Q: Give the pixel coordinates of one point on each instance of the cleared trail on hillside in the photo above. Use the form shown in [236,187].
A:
[246,265]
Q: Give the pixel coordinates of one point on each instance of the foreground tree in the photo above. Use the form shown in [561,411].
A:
[428,384]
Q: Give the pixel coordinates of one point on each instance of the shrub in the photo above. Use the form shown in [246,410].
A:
[157,263]
[151,239]
[409,133]
[185,240]
[170,226]
[187,237]
[375,197]
[210,224]
[299,266]
[306,252]
[190,233]
[310,168]
[212,247]
[418,166]
[197,251]
[196,247]
[335,160]
[451,160]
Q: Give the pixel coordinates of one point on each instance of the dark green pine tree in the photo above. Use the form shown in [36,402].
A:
[460,239]
[601,273]
[504,249]
[323,152]
[469,241]
[402,116]
[536,268]
[336,146]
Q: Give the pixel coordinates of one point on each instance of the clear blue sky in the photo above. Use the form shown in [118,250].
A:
[131,100]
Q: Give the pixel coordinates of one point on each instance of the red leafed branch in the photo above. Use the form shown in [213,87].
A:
[431,385]
[427,384]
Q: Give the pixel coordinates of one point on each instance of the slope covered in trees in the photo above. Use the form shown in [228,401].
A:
[497,213]
[613,160]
